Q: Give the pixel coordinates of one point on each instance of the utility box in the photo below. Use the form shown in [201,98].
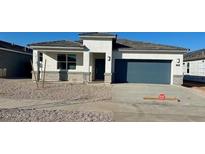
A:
[3,72]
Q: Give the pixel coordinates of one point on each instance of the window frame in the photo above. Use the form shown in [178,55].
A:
[67,62]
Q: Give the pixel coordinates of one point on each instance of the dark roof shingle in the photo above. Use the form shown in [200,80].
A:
[195,55]
[96,34]
[60,43]
[11,46]
[125,44]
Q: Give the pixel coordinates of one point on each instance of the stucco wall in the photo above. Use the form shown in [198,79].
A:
[196,68]
[101,46]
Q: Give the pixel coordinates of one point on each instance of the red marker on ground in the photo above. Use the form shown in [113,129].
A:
[162,97]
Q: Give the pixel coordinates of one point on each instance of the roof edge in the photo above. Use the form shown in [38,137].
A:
[16,51]
[155,50]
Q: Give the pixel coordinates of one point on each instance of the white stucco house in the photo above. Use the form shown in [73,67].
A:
[105,57]
[194,66]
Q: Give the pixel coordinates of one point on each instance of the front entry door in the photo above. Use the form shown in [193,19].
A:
[99,69]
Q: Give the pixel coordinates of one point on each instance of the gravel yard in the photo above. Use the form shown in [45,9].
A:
[53,92]
[26,115]
[26,89]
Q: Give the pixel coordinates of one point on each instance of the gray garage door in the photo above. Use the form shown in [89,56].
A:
[142,71]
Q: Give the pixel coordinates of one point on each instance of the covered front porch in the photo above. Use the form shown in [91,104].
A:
[72,66]
[99,68]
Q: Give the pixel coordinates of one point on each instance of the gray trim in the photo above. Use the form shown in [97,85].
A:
[178,75]
[87,73]
[178,79]
[108,78]
[107,73]
[81,77]
[63,51]
[64,72]
[97,37]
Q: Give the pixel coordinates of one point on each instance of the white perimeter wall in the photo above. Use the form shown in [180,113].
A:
[196,68]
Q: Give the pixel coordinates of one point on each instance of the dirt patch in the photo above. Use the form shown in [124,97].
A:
[32,115]
[26,89]
[195,85]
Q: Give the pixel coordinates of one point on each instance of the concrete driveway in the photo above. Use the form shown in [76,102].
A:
[191,106]
[135,93]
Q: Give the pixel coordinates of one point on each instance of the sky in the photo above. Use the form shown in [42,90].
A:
[190,40]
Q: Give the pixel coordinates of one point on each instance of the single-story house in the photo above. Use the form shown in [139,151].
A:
[14,61]
[105,57]
[194,66]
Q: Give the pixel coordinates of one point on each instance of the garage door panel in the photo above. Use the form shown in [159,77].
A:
[143,71]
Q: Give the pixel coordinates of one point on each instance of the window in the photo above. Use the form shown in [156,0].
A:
[187,68]
[61,58]
[71,61]
[66,61]
[40,57]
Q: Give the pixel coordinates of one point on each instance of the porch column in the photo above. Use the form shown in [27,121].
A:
[36,64]
[108,67]
[86,66]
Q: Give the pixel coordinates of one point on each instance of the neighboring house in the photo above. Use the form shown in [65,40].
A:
[194,66]
[14,61]
[102,56]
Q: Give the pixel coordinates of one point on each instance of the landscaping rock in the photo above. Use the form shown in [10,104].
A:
[32,115]
[26,89]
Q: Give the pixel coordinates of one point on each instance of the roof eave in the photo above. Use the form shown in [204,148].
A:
[106,37]
[16,51]
[57,47]
[194,59]
[155,50]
